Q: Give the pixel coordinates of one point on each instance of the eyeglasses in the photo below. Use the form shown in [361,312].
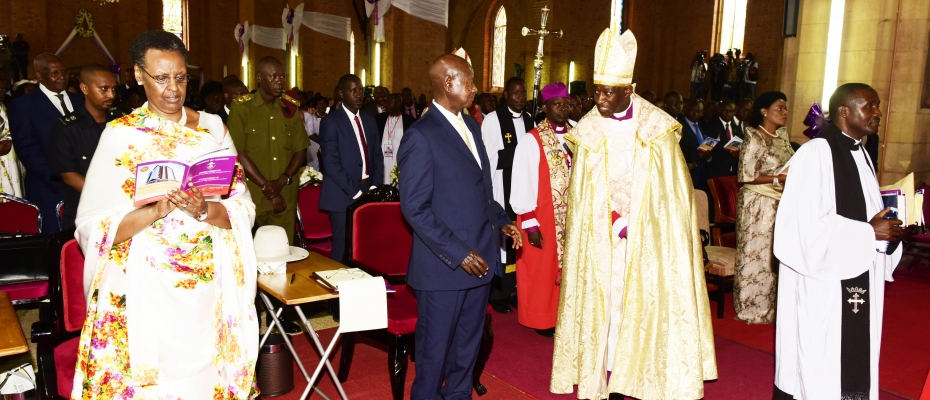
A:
[163,79]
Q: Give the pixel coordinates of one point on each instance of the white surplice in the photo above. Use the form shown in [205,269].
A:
[817,249]
[524,183]
[493,143]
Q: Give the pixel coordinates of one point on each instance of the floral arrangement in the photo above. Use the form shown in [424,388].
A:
[395,175]
[310,175]
[83,17]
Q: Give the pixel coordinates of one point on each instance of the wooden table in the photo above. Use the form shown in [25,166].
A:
[11,333]
[304,289]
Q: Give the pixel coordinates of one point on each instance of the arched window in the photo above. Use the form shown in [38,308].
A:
[173,18]
[616,15]
[499,48]
[732,25]
[352,52]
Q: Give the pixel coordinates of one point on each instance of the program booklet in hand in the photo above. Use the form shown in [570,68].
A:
[708,144]
[734,144]
[212,173]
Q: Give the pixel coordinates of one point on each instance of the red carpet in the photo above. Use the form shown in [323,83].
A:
[521,362]
[368,378]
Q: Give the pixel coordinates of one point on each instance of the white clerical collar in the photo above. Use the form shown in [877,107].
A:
[226,108]
[350,113]
[515,115]
[559,130]
[854,140]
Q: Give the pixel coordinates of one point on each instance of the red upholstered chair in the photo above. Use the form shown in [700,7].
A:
[60,321]
[720,266]
[20,216]
[313,227]
[724,190]
[379,242]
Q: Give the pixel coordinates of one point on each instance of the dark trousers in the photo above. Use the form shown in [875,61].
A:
[448,337]
[338,221]
[19,64]
[503,285]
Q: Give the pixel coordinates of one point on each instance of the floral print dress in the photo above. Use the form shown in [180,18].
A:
[10,168]
[170,312]
[755,281]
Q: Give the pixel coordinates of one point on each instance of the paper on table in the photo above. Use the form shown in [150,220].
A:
[362,304]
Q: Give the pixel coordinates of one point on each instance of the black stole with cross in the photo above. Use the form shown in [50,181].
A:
[505,161]
[855,377]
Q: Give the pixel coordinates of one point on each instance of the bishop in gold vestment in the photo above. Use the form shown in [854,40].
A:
[633,298]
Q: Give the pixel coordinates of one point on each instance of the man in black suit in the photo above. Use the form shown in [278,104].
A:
[409,103]
[31,119]
[391,126]
[233,88]
[379,105]
[352,160]
[724,162]
[691,138]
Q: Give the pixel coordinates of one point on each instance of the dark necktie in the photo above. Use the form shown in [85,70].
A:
[361,134]
[729,135]
[61,99]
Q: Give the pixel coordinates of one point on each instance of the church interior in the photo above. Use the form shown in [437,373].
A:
[803,49]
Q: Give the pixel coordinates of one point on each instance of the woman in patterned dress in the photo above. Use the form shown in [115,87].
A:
[170,286]
[765,150]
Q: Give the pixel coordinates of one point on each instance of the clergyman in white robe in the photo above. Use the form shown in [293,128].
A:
[817,249]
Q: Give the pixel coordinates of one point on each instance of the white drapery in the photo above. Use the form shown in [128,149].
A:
[431,10]
[103,48]
[291,20]
[332,25]
[274,38]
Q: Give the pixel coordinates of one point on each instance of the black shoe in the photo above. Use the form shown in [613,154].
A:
[501,307]
[546,332]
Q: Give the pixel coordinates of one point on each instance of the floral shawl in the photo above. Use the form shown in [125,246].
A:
[170,312]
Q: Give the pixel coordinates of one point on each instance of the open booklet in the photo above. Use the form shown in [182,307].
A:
[330,279]
[708,144]
[212,173]
[734,144]
[909,203]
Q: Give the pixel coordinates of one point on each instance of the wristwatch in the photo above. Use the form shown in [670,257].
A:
[288,178]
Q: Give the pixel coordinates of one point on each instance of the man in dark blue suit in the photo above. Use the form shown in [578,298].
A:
[31,120]
[691,138]
[446,197]
[352,160]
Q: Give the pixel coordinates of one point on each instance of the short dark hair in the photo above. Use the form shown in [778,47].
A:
[90,69]
[344,80]
[765,100]
[843,95]
[264,61]
[210,88]
[157,40]
[513,81]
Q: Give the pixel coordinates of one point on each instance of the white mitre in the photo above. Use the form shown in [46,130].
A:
[614,58]
[461,53]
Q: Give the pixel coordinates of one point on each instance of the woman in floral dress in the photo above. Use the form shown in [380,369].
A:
[170,286]
[766,148]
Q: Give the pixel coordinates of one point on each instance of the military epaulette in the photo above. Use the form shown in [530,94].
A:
[69,118]
[290,99]
[244,98]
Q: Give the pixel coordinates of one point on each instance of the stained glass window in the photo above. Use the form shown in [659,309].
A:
[499,47]
[173,17]
[616,15]
[732,25]
[352,52]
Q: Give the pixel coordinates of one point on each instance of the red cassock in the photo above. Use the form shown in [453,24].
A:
[537,294]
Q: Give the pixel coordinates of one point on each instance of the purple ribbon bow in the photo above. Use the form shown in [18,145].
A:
[239,36]
[290,21]
[814,121]
[115,68]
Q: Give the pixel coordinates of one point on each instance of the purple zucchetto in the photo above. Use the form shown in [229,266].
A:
[553,91]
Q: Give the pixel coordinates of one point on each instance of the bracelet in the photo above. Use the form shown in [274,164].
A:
[203,216]
[775,182]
